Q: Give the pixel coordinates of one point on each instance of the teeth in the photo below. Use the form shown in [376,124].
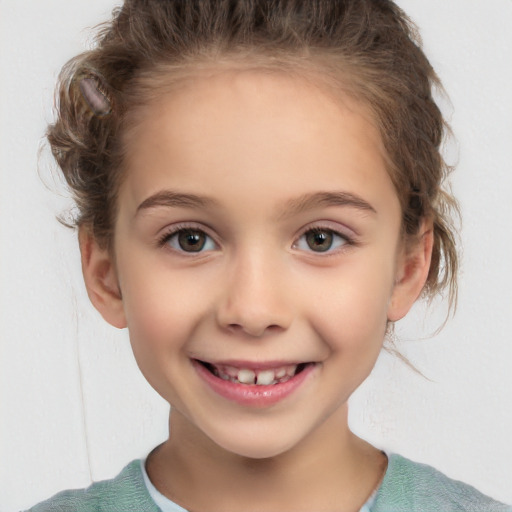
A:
[231,371]
[265,378]
[291,369]
[280,373]
[246,376]
[258,377]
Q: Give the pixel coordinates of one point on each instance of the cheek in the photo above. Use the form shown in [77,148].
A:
[352,314]
[162,318]
[358,322]
[162,309]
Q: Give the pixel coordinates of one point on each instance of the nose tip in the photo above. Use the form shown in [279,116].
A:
[254,302]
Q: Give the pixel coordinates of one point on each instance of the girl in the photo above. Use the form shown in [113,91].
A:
[259,196]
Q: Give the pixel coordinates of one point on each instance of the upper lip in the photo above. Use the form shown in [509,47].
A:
[252,365]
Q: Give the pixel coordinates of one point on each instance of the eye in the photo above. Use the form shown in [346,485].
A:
[189,240]
[321,240]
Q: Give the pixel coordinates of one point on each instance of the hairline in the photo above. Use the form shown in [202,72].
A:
[328,72]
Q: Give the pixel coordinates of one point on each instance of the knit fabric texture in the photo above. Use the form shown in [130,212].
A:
[406,487]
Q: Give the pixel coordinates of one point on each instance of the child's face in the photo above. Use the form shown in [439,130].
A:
[248,165]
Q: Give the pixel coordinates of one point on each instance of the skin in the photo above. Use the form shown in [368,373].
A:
[254,144]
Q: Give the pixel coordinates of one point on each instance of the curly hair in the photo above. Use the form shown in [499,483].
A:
[365,48]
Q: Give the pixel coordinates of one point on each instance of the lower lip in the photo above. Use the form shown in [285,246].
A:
[253,395]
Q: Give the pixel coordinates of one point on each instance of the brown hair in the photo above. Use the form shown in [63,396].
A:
[368,47]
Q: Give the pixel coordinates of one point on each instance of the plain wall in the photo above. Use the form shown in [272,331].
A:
[73,406]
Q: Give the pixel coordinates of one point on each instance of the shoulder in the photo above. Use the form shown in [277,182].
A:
[412,487]
[125,493]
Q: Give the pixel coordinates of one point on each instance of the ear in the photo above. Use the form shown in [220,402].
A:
[100,276]
[412,273]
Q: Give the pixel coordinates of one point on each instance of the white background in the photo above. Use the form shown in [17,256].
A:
[73,406]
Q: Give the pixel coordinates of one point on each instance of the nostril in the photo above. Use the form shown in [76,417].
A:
[254,330]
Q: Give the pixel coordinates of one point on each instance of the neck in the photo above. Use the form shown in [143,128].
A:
[331,469]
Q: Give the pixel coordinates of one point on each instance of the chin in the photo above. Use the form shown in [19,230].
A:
[263,444]
[256,451]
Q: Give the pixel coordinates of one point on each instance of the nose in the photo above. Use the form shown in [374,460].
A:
[255,301]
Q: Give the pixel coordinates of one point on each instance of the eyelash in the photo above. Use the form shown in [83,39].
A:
[183,228]
[346,240]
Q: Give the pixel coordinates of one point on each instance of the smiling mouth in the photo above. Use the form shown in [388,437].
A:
[258,377]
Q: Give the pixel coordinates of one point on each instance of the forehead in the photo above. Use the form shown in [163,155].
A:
[262,129]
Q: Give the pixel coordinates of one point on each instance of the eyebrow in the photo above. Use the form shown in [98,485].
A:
[172,199]
[323,199]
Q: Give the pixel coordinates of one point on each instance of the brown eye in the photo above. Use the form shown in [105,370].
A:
[191,240]
[319,240]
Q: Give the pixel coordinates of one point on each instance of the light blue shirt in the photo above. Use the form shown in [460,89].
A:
[166,505]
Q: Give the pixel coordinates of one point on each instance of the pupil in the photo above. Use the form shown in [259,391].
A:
[191,241]
[319,241]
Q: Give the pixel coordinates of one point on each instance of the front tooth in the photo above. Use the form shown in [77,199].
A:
[265,378]
[246,376]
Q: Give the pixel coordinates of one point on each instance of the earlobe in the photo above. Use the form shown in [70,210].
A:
[101,281]
[412,273]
